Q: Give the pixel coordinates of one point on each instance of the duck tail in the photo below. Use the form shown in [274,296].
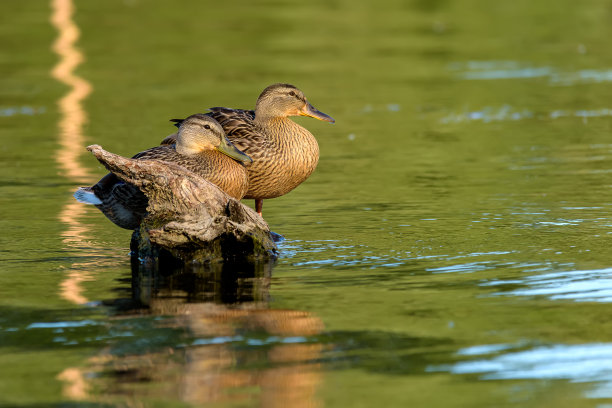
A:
[86,195]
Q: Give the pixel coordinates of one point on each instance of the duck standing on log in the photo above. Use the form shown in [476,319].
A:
[284,153]
[200,146]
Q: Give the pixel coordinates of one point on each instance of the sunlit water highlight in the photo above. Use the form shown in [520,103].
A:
[509,113]
[576,363]
[496,70]
[581,286]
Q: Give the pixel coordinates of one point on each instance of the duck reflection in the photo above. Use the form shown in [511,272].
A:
[235,348]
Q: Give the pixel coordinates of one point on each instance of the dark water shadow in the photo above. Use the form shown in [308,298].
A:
[204,334]
[210,334]
[228,283]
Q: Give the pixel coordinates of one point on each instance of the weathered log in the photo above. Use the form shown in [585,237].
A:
[188,218]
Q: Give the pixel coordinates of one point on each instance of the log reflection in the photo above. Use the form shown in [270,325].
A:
[239,350]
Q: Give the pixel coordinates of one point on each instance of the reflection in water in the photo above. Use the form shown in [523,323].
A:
[22,110]
[580,286]
[496,70]
[231,346]
[588,363]
[509,113]
[72,114]
[75,387]
[71,137]
[71,143]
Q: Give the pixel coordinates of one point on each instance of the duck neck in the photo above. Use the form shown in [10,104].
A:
[277,126]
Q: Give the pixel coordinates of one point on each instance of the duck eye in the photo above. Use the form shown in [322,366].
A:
[206,126]
[291,93]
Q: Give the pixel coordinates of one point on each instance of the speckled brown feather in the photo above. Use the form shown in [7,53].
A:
[284,153]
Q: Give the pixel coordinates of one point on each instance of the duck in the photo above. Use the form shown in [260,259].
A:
[200,146]
[284,153]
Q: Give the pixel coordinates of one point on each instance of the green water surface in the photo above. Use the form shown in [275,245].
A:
[451,249]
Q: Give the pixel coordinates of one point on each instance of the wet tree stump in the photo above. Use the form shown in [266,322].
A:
[188,218]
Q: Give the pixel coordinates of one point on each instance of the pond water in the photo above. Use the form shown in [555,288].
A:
[451,249]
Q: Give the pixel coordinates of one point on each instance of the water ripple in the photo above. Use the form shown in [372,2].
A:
[580,286]
[490,114]
[22,110]
[61,325]
[337,254]
[579,363]
[495,70]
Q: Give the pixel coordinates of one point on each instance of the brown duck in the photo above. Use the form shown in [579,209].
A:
[201,146]
[284,153]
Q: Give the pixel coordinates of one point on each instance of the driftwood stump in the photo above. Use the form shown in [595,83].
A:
[188,218]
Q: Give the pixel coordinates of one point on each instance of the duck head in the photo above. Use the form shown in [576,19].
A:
[200,132]
[282,100]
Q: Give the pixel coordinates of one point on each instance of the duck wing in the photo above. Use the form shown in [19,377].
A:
[163,152]
[238,124]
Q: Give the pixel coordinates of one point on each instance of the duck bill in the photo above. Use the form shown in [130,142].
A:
[310,111]
[226,147]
